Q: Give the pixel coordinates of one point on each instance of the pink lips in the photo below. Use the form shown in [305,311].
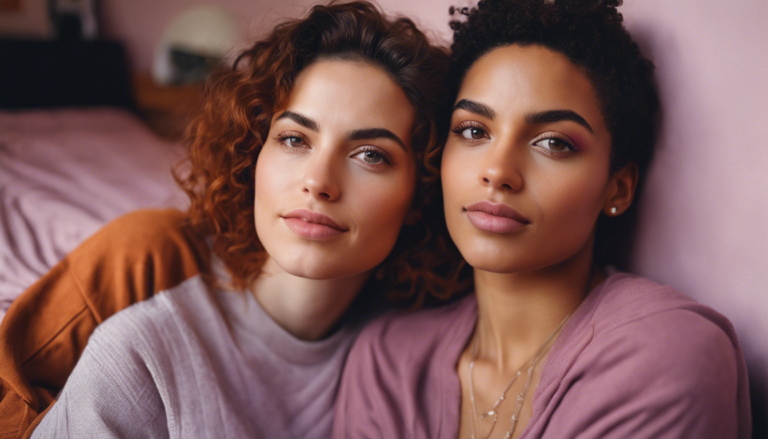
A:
[495,217]
[312,225]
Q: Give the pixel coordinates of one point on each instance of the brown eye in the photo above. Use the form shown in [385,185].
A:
[473,133]
[554,144]
[372,157]
[293,141]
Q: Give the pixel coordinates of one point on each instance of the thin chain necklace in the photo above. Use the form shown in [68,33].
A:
[531,363]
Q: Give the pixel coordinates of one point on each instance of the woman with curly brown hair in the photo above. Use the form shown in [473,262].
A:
[312,179]
[552,128]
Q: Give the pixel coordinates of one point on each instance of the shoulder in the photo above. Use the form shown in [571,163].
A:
[151,336]
[677,347]
[135,256]
[626,299]
[656,358]
[158,319]
[117,380]
[656,324]
[143,231]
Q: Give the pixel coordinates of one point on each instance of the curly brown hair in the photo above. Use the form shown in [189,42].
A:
[226,137]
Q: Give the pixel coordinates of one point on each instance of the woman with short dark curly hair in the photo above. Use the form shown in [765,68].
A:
[552,128]
[312,177]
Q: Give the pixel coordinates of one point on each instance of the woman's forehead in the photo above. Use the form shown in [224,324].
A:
[518,78]
[335,88]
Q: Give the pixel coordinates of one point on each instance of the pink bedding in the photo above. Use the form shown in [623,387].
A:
[65,173]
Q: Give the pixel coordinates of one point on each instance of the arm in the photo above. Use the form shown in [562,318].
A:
[111,393]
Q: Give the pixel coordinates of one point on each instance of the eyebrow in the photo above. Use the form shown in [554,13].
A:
[532,118]
[557,116]
[299,119]
[375,133]
[475,107]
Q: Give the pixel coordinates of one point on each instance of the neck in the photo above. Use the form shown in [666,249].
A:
[517,312]
[307,308]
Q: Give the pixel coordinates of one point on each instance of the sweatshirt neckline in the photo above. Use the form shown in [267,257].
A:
[246,316]
[552,370]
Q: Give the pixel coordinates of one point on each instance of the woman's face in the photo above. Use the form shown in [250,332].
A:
[526,167]
[336,176]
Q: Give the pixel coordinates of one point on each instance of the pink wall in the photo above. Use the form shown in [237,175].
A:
[704,215]
[704,220]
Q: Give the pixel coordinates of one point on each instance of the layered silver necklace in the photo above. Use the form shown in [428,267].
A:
[492,413]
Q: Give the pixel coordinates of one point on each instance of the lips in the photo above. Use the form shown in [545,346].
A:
[312,225]
[495,217]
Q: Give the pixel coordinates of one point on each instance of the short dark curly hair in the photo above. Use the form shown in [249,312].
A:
[592,35]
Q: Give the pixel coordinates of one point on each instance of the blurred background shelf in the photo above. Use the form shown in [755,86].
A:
[167,109]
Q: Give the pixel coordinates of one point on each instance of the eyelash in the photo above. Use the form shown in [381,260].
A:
[283,138]
[458,129]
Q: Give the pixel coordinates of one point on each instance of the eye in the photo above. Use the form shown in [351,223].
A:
[555,144]
[292,141]
[372,157]
[470,131]
[473,133]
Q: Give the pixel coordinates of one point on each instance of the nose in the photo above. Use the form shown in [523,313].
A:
[321,179]
[501,168]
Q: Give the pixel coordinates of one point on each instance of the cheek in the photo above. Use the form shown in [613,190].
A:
[381,208]
[571,202]
[271,182]
[459,175]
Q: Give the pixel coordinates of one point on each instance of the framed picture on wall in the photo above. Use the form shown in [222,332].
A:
[74,19]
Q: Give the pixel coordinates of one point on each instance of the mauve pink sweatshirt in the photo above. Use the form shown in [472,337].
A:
[636,360]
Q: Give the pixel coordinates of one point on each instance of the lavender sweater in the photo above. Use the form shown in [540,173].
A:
[636,360]
[189,363]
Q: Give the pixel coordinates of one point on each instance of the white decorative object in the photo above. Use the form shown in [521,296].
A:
[209,31]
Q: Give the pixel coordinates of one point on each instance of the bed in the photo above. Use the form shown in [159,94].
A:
[66,170]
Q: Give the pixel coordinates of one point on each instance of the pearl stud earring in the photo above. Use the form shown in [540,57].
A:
[614,209]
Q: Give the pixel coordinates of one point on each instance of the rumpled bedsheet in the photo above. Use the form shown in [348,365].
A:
[63,175]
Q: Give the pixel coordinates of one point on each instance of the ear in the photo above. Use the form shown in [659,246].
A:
[621,190]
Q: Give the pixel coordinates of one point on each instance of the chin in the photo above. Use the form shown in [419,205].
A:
[315,268]
[495,264]
[506,261]
[312,271]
